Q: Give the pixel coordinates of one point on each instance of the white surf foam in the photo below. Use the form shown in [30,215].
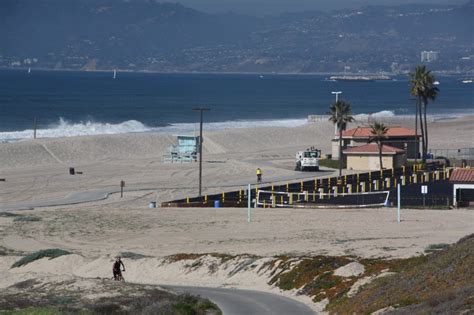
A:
[68,129]
[381,114]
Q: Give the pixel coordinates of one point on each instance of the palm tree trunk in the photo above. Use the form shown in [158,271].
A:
[422,135]
[380,155]
[340,151]
[416,131]
[426,128]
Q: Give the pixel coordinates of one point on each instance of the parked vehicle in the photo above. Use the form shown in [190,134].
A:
[308,160]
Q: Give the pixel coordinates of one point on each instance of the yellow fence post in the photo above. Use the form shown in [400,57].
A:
[287,187]
[187,199]
[240,195]
[281,200]
[223,197]
[301,186]
[205,198]
[291,199]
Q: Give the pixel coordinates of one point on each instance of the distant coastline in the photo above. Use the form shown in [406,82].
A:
[329,74]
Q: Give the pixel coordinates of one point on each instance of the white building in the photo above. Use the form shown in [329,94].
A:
[429,56]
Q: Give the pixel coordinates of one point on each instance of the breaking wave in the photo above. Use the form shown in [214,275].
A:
[65,128]
[381,114]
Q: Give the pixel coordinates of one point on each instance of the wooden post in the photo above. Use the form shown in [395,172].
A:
[122,185]
[34,128]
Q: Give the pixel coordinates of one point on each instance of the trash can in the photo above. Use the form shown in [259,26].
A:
[152,204]
[72,171]
[217,203]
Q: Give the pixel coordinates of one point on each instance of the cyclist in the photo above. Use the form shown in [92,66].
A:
[259,175]
[116,269]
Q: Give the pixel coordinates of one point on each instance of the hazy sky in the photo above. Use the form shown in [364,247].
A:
[260,7]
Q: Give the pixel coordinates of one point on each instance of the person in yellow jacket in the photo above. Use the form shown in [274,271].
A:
[259,175]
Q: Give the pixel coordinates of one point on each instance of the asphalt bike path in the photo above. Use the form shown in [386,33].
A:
[240,302]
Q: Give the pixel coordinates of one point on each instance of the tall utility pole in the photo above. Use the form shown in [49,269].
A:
[337,99]
[201,110]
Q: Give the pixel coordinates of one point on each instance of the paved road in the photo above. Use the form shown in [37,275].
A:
[100,194]
[246,302]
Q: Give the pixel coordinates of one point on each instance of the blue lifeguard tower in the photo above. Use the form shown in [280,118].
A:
[185,151]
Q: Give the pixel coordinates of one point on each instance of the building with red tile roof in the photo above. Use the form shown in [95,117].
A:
[463,186]
[398,137]
[366,157]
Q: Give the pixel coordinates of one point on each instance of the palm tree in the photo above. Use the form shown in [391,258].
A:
[340,114]
[379,131]
[422,86]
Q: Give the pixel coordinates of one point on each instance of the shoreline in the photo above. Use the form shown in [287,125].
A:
[190,128]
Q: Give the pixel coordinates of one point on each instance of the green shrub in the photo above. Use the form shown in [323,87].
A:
[331,163]
[436,247]
[26,219]
[9,215]
[191,305]
[51,253]
[132,255]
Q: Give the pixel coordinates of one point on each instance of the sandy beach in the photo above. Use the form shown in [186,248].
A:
[37,171]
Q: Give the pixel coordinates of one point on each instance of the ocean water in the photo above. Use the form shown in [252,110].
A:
[88,103]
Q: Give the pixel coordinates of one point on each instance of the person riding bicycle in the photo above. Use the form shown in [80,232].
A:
[116,269]
[259,175]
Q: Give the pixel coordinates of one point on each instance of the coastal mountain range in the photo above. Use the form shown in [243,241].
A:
[145,35]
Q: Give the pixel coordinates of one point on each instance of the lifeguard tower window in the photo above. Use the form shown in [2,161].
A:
[185,151]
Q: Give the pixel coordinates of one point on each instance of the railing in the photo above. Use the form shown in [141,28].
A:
[326,190]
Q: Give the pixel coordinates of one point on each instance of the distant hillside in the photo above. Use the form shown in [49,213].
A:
[146,35]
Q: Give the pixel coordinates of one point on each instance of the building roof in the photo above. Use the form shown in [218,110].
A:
[373,148]
[462,175]
[365,132]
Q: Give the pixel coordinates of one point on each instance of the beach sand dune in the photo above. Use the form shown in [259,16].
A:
[37,171]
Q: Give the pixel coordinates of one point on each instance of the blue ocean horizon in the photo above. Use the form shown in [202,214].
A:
[82,103]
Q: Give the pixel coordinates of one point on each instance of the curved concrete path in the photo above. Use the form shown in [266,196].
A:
[240,302]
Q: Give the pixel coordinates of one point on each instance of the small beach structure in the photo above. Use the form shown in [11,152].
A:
[366,157]
[185,150]
[397,137]
[463,186]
